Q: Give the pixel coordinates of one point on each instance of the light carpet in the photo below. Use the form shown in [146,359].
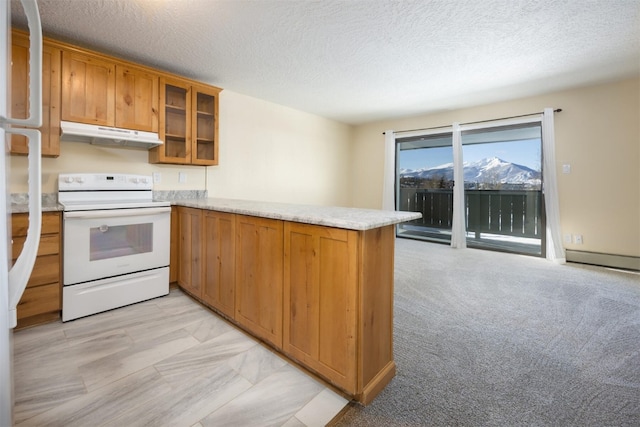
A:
[492,339]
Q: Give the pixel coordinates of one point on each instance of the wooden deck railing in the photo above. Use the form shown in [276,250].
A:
[505,212]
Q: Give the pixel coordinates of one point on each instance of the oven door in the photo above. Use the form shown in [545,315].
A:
[106,243]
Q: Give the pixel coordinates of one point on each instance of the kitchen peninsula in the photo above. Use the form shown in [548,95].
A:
[313,282]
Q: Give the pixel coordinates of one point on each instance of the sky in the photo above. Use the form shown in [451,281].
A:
[522,152]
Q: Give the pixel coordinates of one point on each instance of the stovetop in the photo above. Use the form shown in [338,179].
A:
[87,182]
[106,191]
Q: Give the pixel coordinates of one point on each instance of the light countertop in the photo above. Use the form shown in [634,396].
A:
[20,203]
[331,216]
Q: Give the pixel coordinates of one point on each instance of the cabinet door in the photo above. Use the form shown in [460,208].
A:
[136,99]
[259,260]
[219,264]
[174,124]
[190,249]
[204,125]
[50,129]
[20,223]
[37,302]
[320,291]
[41,301]
[88,89]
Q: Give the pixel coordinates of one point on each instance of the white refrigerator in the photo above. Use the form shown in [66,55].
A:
[13,279]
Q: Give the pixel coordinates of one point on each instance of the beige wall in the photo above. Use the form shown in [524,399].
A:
[267,152]
[598,133]
[270,152]
[78,157]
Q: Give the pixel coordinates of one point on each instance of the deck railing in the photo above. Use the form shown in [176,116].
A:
[505,212]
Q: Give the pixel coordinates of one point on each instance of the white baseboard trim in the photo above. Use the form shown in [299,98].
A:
[606,260]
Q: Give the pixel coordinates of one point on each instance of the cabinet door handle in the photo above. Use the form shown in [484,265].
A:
[21,270]
[116,213]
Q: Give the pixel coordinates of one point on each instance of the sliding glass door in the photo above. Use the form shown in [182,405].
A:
[502,171]
[424,183]
[503,188]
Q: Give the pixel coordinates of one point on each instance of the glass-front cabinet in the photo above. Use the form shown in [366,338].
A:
[175,114]
[205,127]
[188,124]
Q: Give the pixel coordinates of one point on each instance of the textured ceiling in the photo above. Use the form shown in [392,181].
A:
[361,60]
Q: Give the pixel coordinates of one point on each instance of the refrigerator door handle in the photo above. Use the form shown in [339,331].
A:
[21,270]
[35,72]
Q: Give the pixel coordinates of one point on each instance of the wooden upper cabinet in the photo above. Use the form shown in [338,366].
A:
[50,130]
[136,99]
[175,123]
[188,124]
[88,89]
[103,92]
[204,125]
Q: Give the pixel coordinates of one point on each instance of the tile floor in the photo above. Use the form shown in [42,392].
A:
[163,362]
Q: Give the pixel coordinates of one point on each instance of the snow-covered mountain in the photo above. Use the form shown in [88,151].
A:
[490,170]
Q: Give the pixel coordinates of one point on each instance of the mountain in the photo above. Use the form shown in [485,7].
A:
[486,171]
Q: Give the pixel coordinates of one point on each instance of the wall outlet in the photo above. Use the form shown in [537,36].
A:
[182,177]
[566,168]
[567,238]
[577,239]
[157,177]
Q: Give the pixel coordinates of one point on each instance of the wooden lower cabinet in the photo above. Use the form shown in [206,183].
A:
[338,305]
[174,250]
[190,250]
[259,255]
[322,296]
[233,264]
[41,301]
[375,311]
[219,261]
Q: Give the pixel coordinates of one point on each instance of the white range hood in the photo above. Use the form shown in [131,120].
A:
[108,136]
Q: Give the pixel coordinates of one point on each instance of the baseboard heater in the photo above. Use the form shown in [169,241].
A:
[606,260]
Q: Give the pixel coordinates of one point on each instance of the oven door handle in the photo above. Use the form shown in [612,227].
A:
[116,213]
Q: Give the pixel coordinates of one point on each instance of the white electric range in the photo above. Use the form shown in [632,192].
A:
[115,242]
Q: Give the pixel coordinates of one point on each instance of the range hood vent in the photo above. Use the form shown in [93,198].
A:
[108,136]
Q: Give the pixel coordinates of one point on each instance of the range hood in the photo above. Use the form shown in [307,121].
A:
[108,136]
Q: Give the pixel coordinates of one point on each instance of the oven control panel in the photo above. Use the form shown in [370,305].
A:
[103,181]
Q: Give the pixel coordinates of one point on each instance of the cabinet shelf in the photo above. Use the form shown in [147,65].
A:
[175,136]
[176,108]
